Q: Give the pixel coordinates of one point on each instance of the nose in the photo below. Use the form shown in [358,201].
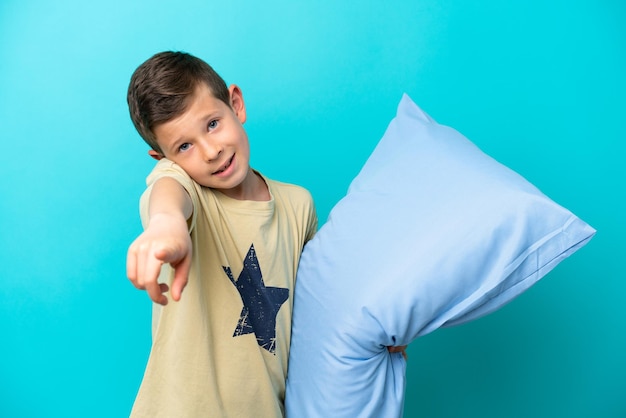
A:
[210,150]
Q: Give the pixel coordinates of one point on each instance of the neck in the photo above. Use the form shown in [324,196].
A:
[252,188]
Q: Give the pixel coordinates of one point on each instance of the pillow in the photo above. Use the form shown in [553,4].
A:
[432,233]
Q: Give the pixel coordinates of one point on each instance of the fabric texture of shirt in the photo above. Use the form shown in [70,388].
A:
[222,350]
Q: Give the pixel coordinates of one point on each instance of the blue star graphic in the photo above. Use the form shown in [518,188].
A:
[260,303]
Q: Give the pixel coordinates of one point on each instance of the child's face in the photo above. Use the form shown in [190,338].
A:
[209,142]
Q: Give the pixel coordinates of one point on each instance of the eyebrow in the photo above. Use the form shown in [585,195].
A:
[213,114]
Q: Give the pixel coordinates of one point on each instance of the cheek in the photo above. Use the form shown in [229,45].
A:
[244,146]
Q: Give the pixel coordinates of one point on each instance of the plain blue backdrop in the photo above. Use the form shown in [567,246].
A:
[538,85]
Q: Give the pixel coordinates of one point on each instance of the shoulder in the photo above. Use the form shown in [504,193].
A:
[296,200]
[289,191]
[168,168]
[294,204]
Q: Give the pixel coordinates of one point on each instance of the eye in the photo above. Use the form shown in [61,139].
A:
[212,125]
[184,147]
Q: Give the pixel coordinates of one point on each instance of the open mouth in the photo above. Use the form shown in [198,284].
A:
[225,166]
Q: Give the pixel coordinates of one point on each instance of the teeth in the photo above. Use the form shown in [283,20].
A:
[225,167]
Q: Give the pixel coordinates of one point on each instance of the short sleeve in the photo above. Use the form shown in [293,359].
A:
[167,168]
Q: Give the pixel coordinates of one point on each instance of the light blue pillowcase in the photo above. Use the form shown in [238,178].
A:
[432,233]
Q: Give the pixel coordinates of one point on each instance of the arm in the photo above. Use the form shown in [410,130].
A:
[165,240]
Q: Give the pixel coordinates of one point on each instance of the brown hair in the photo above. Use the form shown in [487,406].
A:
[160,89]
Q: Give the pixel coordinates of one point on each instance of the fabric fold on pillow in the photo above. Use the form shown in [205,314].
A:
[432,232]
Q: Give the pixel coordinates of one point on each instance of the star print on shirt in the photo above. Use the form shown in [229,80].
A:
[260,303]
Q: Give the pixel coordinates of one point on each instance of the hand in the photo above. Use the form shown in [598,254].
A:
[166,240]
[399,349]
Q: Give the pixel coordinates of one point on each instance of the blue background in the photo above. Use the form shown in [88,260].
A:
[540,86]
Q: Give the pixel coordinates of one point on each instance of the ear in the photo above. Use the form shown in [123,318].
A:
[237,103]
[157,156]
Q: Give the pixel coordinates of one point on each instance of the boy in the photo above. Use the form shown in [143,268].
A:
[227,235]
